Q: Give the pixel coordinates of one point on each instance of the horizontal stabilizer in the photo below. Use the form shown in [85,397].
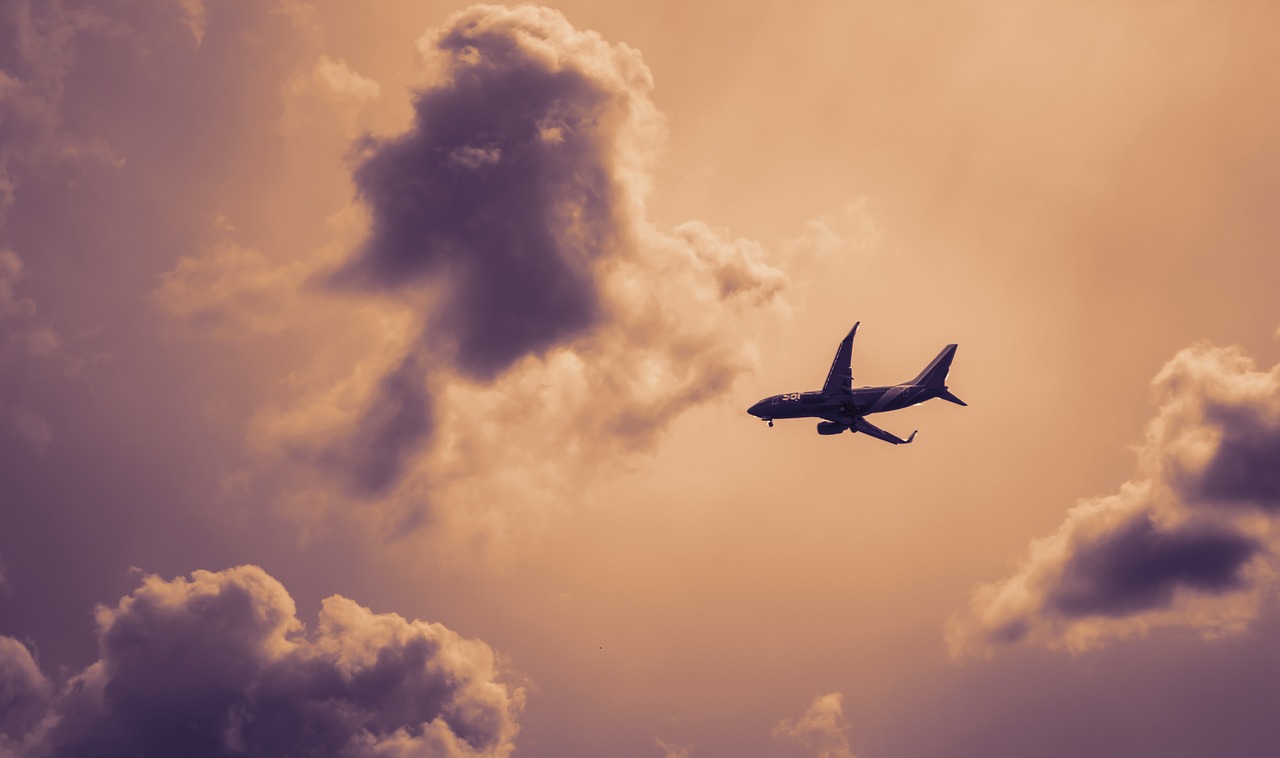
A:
[950,398]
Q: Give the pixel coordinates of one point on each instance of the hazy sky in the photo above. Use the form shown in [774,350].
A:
[373,377]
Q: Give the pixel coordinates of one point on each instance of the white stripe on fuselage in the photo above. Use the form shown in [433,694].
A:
[885,399]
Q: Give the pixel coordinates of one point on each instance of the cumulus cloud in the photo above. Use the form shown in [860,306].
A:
[1188,543]
[507,186]
[820,728]
[509,259]
[219,664]
[673,751]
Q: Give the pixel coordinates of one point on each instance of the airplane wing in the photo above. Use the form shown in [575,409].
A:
[866,427]
[840,377]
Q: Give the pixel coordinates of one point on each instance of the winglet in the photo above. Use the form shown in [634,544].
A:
[950,398]
[912,437]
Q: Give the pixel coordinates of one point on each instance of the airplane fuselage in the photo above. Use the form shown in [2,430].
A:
[862,401]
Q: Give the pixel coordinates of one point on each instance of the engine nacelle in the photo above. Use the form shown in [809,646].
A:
[830,427]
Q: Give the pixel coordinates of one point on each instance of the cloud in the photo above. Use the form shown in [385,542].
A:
[820,728]
[673,751]
[219,664]
[1188,543]
[338,79]
[37,43]
[230,291]
[508,186]
[24,692]
[23,332]
[197,16]
[389,430]
[508,257]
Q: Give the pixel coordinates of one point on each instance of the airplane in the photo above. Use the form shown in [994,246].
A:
[844,408]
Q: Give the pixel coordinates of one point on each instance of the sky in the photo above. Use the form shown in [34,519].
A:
[373,379]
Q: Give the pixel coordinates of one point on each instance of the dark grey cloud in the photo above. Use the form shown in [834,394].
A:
[506,189]
[219,665]
[1245,468]
[1139,565]
[1187,543]
[394,424]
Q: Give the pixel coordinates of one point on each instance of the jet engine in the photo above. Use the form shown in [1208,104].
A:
[830,427]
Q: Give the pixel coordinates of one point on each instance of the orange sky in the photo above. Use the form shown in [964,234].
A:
[1072,194]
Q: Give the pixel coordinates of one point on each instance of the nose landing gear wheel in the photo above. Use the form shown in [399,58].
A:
[770,423]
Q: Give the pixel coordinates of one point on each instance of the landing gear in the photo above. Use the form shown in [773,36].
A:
[770,422]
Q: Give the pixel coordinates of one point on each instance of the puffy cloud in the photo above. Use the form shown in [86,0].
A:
[1188,543]
[508,186]
[673,751]
[556,327]
[219,664]
[820,728]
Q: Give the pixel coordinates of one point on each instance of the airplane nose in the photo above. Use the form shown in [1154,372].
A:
[755,409]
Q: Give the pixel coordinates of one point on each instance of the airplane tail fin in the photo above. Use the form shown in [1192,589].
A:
[935,374]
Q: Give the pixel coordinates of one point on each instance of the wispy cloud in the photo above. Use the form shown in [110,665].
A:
[39,42]
[820,728]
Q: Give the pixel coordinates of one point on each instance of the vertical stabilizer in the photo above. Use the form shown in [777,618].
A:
[935,374]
